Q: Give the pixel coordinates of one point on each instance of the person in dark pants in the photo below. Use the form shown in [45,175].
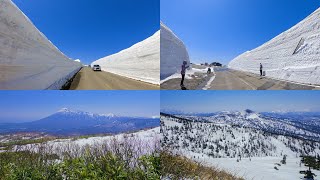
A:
[184,67]
[261,70]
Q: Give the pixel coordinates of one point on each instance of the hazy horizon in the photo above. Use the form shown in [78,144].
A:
[17,106]
[259,101]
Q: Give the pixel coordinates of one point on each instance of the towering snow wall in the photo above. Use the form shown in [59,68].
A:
[140,62]
[293,55]
[28,60]
[173,53]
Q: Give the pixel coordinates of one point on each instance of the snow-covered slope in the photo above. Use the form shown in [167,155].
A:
[225,141]
[251,119]
[250,153]
[173,53]
[28,60]
[143,142]
[293,55]
[140,62]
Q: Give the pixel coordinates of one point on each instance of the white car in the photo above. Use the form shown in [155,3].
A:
[96,68]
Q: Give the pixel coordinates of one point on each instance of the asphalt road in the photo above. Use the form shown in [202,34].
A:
[227,79]
[87,79]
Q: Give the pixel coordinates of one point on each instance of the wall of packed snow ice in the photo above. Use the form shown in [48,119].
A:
[140,62]
[28,60]
[293,55]
[173,53]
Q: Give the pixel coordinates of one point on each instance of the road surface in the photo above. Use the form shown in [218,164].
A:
[87,79]
[227,79]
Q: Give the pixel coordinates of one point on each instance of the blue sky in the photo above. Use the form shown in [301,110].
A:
[223,29]
[89,30]
[18,106]
[261,101]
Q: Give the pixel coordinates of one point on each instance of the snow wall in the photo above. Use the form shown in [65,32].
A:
[28,60]
[293,55]
[139,62]
[173,53]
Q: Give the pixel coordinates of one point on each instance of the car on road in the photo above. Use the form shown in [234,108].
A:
[96,68]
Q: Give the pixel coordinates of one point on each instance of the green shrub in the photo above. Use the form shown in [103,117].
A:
[37,166]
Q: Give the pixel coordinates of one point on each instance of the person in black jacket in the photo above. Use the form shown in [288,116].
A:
[261,70]
[184,67]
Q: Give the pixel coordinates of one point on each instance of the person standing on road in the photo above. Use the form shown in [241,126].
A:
[261,70]
[184,67]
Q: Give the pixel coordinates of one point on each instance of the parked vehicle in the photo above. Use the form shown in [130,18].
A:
[96,68]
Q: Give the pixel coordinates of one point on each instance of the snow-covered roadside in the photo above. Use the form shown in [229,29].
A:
[189,74]
[291,56]
[139,62]
[61,82]
[28,60]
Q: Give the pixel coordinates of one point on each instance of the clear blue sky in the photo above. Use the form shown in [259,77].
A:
[92,29]
[18,106]
[223,29]
[261,101]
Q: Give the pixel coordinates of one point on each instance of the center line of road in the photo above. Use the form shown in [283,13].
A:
[252,88]
[208,85]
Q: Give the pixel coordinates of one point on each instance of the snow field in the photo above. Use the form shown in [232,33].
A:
[145,142]
[258,168]
[222,145]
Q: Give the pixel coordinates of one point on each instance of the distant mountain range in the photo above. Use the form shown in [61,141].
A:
[303,125]
[70,122]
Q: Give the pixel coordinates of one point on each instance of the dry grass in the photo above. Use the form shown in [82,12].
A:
[177,167]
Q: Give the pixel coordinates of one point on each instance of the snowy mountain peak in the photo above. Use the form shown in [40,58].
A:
[67,111]
[111,115]
[71,111]
[249,111]
[63,110]
[264,122]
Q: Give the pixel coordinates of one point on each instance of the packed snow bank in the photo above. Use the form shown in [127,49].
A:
[140,62]
[189,74]
[293,55]
[28,60]
[173,53]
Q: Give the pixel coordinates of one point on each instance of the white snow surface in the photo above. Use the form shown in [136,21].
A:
[258,168]
[145,141]
[173,53]
[139,62]
[221,146]
[28,60]
[294,55]
[189,73]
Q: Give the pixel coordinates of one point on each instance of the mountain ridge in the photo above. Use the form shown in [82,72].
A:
[69,122]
